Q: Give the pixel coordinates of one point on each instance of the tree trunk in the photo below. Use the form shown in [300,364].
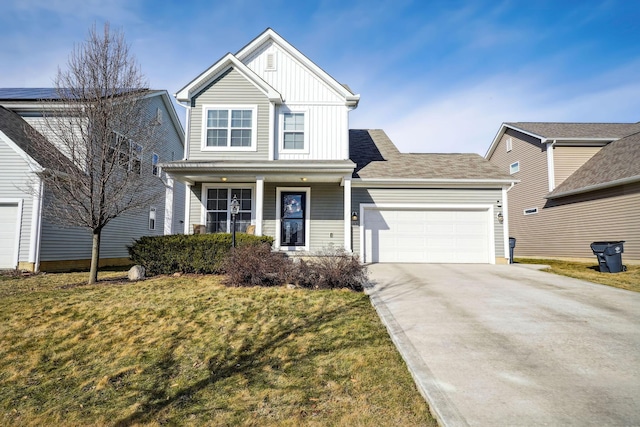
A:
[95,257]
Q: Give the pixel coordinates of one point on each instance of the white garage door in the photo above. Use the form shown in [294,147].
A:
[8,234]
[436,236]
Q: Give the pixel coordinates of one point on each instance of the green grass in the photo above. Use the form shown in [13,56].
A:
[629,279]
[188,351]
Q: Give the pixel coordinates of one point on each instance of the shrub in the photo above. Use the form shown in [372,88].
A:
[331,269]
[196,253]
[256,265]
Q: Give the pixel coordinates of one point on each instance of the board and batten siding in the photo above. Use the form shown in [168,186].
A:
[326,126]
[440,196]
[15,179]
[294,81]
[302,90]
[232,88]
[567,159]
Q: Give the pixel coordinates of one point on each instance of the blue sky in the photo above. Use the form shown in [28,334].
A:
[437,76]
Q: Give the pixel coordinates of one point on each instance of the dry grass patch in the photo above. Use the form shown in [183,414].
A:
[629,280]
[189,351]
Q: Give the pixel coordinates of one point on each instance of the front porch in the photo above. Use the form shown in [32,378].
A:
[304,206]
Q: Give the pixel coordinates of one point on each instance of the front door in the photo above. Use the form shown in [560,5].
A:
[293,215]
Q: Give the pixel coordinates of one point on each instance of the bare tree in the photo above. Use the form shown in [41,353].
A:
[97,127]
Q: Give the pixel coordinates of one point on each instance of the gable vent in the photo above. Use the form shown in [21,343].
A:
[271,61]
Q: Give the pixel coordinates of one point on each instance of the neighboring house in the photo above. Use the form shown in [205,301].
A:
[31,241]
[579,183]
[269,127]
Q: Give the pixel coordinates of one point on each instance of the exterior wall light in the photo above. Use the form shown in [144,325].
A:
[354,216]
[500,218]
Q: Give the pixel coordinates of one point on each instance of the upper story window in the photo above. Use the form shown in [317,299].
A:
[129,154]
[514,167]
[229,128]
[294,134]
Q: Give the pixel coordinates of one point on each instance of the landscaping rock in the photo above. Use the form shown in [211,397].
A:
[137,272]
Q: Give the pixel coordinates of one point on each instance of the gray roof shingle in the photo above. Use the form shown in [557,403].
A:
[578,130]
[376,157]
[618,161]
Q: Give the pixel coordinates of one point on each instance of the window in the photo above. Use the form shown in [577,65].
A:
[129,154]
[218,218]
[230,128]
[293,131]
[155,170]
[514,167]
[530,211]
[509,144]
[152,218]
[136,158]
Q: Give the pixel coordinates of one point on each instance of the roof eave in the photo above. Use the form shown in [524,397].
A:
[229,60]
[351,99]
[431,182]
[595,187]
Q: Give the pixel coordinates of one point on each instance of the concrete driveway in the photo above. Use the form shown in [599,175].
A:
[500,345]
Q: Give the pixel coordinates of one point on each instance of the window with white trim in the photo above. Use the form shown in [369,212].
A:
[232,128]
[217,213]
[129,153]
[293,131]
[514,167]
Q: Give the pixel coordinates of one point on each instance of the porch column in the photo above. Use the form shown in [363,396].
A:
[259,204]
[347,213]
[187,209]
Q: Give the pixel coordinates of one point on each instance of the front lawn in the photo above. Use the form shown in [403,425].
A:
[189,351]
[629,279]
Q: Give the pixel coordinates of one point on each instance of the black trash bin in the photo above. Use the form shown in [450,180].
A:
[609,256]
[512,245]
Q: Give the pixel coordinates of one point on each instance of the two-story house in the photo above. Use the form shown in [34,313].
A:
[270,128]
[31,240]
[579,183]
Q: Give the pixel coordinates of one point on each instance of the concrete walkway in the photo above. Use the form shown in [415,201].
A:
[500,345]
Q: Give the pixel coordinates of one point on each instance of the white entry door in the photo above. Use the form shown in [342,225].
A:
[9,222]
[427,235]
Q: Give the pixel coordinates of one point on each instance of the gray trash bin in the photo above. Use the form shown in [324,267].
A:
[609,256]
[512,245]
